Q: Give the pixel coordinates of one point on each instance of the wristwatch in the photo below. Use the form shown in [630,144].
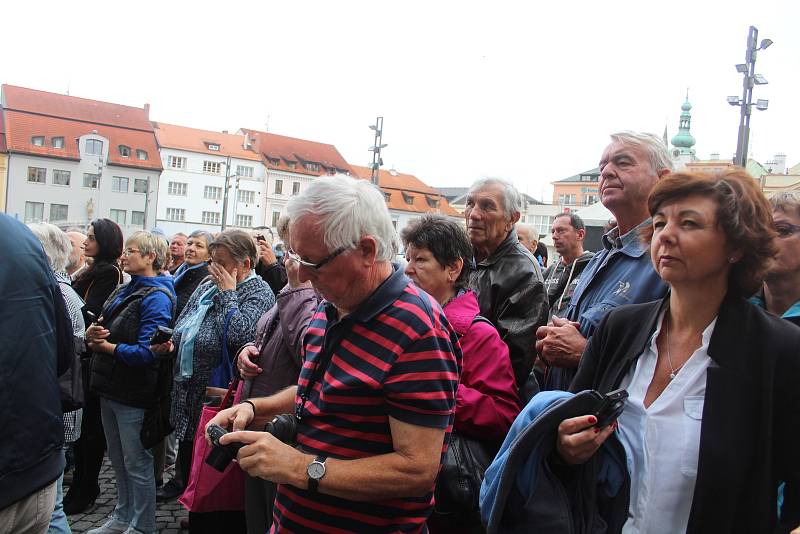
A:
[315,470]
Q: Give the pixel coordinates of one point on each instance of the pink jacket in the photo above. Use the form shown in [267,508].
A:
[487,400]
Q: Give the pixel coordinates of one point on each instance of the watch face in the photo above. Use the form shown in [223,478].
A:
[316,470]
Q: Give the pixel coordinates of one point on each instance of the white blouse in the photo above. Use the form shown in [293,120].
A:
[662,442]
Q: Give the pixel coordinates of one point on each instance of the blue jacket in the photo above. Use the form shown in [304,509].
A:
[33,433]
[621,273]
[525,490]
[155,311]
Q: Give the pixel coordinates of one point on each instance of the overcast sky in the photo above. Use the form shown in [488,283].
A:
[522,90]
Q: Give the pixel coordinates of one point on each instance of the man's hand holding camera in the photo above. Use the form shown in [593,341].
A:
[96,339]
[267,457]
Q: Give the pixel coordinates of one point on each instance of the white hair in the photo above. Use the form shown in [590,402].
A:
[512,200]
[657,151]
[55,242]
[349,209]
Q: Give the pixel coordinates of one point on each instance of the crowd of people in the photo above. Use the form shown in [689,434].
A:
[649,386]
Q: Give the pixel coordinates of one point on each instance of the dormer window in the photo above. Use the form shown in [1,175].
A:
[408,198]
[274,161]
[94,147]
[37,140]
[292,164]
[387,196]
[213,146]
[311,166]
[141,154]
[57,142]
[432,202]
[124,151]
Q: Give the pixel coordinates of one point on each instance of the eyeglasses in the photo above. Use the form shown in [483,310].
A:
[786,229]
[129,251]
[293,256]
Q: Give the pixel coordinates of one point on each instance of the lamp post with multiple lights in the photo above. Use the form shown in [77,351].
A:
[751,79]
[376,149]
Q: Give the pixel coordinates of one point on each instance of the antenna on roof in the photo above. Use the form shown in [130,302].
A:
[266,124]
[69,82]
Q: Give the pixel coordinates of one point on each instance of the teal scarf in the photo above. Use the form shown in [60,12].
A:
[191,327]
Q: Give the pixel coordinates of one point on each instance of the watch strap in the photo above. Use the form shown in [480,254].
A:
[313,483]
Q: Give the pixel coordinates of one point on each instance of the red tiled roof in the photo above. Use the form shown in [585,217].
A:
[71,107]
[194,140]
[403,187]
[289,149]
[29,113]
[22,126]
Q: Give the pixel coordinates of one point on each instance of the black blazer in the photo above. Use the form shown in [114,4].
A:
[750,435]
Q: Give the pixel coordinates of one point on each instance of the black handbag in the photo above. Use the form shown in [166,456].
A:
[459,483]
[156,425]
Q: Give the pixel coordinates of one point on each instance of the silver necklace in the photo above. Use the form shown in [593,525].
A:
[672,371]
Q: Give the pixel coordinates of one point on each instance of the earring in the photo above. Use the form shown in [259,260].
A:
[732,259]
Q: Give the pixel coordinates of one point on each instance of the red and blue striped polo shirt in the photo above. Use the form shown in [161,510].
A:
[395,356]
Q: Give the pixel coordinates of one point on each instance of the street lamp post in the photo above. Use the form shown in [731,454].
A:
[747,69]
[376,149]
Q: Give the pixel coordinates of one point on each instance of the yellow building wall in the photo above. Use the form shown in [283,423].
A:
[3,181]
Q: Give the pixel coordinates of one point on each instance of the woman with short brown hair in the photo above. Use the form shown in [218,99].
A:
[712,421]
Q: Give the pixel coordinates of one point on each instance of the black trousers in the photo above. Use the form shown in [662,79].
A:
[89,451]
[259,499]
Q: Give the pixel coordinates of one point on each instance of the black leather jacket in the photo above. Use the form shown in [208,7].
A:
[511,295]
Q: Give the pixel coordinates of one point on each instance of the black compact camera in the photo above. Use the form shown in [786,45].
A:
[283,427]
[161,335]
[221,455]
[610,407]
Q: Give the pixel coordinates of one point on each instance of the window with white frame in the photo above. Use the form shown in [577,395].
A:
[91,180]
[177,188]
[94,147]
[140,185]
[37,140]
[57,142]
[212,192]
[61,177]
[213,146]
[245,196]
[176,162]
[118,216]
[141,154]
[210,217]
[244,220]
[34,211]
[278,187]
[311,166]
[295,188]
[37,175]
[176,214]
[119,184]
[588,200]
[212,167]
[124,151]
[244,171]
[275,216]
[59,212]
[137,218]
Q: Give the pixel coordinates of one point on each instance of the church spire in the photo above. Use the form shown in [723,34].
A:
[684,141]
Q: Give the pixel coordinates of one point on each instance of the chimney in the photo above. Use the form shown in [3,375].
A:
[225,131]
[780,164]
[147,111]
[715,156]
[246,144]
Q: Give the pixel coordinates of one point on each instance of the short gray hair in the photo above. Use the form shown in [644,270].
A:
[653,145]
[55,242]
[529,228]
[208,236]
[512,200]
[349,210]
[149,242]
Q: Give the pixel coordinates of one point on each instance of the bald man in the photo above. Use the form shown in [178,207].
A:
[77,258]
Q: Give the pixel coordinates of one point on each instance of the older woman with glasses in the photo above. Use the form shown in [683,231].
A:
[227,305]
[125,374]
[712,421]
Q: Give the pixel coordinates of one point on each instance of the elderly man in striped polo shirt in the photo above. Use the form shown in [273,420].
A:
[376,394]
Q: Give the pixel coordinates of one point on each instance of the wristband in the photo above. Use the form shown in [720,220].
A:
[253,406]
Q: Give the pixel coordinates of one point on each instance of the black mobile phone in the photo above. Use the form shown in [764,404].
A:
[162,335]
[92,317]
[610,407]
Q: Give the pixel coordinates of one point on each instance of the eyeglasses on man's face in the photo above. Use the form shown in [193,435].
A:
[130,251]
[293,256]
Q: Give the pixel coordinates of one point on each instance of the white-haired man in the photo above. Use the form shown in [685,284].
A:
[621,273]
[77,258]
[376,394]
[507,279]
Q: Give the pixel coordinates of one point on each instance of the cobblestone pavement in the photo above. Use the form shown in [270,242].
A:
[168,515]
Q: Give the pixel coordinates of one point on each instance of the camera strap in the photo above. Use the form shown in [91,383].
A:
[324,362]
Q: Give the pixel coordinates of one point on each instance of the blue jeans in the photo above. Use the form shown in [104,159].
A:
[58,519]
[133,466]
